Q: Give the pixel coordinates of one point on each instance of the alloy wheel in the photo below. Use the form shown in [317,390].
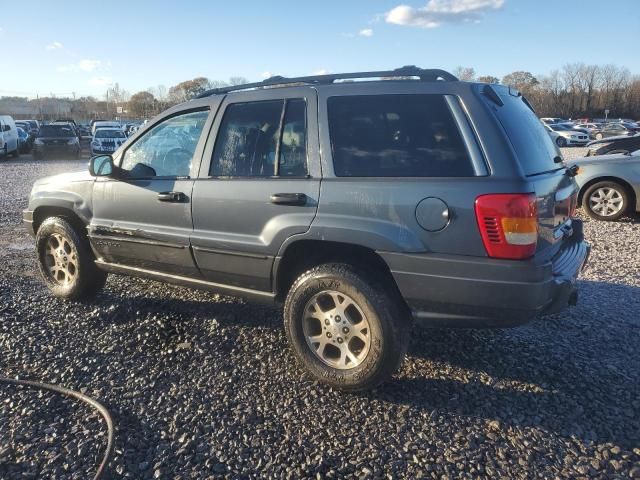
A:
[336,330]
[60,259]
[606,201]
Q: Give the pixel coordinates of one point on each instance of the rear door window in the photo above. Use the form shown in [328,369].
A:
[396,136]
[253,134]
[531,143]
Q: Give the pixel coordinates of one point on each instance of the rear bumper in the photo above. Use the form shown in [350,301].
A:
[56,149]
[447,290]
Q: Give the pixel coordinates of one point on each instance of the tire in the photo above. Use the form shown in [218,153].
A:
[16,153]
[599,136]
[561,142]
[613,209]
[374,327]
[75,276]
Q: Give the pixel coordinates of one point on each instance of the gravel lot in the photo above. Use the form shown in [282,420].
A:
[204,386]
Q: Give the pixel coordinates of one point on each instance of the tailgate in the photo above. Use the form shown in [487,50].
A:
[540,162]
[556,199]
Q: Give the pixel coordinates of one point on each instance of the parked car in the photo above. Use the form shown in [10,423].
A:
[409,211]
[574,127]
[613,145]
[107,140]
[567,136]
[591,128]
[552,120]
[9,137]
[616,129]
[609,184]
[56,140]
[104,124]
[24,141]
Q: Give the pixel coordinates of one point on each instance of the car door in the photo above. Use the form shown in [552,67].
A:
[258,185]
[142,216]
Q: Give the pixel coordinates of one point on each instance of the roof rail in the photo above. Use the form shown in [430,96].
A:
[425,75]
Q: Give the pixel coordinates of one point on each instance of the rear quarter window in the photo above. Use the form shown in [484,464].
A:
[528,136]
[396,136]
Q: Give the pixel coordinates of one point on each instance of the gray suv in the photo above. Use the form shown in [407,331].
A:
[358,205]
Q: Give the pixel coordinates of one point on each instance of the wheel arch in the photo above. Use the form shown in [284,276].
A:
[40,214]
[304,254]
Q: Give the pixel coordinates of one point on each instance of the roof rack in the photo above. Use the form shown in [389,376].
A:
[425,75]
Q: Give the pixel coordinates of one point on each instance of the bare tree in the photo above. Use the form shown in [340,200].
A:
[488,79]
[466,74]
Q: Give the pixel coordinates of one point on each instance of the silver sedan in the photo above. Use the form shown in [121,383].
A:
[609,184]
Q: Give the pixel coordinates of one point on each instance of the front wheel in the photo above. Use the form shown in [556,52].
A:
[561,142]
[66,261]
[346,330]
[605,201]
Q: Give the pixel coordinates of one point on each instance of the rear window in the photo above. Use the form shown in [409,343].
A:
[104,133]
[56,131]
[530,140]
[396,136]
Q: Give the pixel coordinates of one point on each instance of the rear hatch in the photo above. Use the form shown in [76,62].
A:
[541,163]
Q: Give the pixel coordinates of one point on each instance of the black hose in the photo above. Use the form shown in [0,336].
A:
[88,400]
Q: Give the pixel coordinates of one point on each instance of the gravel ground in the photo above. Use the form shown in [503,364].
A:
[204,386]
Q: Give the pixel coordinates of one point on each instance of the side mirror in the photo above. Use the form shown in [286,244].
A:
[101,166]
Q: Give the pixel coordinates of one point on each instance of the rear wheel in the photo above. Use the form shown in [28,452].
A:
[606,201]
[599,136]
[345,328]
[66,261]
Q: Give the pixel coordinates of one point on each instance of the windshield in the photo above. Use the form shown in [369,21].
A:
[560,127]
[56,131]
[104,133]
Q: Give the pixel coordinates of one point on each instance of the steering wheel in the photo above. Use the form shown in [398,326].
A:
[174,159]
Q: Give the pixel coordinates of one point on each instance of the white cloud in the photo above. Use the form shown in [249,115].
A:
[322,71]
[437,12]
[366,32]
[101,81]
[54,46]
[266,75]
[87,65]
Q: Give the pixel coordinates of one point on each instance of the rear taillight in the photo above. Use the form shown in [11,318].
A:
[573,206]
[508,224]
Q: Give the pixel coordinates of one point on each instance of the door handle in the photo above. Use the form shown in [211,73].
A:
[298,199]
[175,197]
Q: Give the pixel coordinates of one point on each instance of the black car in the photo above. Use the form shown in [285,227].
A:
[56,140]
[614,145]
[616,130]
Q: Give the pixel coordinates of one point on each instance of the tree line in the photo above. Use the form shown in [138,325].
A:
[576,90]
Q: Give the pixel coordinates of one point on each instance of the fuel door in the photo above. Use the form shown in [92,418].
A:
[433,214]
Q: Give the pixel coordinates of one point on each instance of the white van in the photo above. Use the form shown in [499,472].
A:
[8,137]
[104,124]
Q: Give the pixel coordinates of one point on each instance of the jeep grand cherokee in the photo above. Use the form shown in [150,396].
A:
[358,205]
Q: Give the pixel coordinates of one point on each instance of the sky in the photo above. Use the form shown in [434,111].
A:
[68,47]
